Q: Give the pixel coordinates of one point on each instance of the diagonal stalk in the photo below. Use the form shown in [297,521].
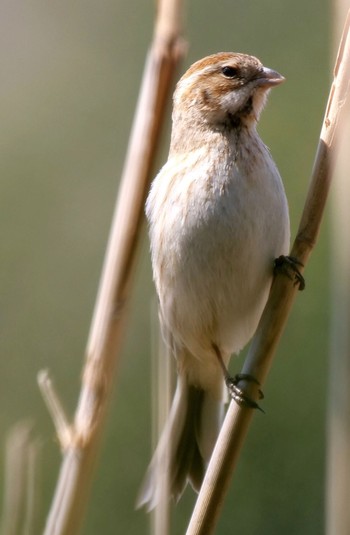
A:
[108,323]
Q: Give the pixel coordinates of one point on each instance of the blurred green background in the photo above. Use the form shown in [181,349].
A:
[69,83]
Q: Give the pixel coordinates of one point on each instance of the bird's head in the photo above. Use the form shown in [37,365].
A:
[225,90]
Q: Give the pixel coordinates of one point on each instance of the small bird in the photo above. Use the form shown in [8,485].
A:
[218,217]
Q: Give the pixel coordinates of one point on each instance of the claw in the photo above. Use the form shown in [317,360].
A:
[232,384]
[238,395]
[288,265]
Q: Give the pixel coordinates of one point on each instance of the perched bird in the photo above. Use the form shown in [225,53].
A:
[218,217]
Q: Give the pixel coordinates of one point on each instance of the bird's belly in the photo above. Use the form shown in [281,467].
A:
[217,267]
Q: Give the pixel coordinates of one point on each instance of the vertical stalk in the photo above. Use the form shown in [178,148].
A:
[338,423]
[108,323]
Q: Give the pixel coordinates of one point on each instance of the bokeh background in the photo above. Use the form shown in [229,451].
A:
[70,73]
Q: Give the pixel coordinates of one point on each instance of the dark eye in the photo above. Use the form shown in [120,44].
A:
[229,72]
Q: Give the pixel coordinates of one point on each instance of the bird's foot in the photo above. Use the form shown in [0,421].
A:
[238,394]
[288,265]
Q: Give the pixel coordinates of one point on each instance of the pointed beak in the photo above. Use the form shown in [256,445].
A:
[269,78]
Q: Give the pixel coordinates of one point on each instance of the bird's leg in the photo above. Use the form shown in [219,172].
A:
[288,265]
[235,391]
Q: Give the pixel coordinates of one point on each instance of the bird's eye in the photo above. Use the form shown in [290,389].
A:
[229,72]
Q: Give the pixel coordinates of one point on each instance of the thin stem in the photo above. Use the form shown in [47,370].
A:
[108,323]
[20,471]
[338,405]
[55,408]
[33,488]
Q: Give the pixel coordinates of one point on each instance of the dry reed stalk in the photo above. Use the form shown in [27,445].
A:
[162,388]
[265,341]
[338,417]
[82,438]
[21,482]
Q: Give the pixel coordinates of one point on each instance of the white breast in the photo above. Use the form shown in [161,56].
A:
[216,227]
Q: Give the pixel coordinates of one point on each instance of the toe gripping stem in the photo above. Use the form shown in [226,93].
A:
[289,266]
[237,393]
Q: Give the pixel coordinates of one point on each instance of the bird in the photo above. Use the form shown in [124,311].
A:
[218,218]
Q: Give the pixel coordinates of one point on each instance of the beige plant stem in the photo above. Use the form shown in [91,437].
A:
[261,353]
[107,328]
[33,488]
[337,492]
[57,413]
[21,482]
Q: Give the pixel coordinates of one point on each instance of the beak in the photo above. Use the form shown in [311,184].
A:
[269,78]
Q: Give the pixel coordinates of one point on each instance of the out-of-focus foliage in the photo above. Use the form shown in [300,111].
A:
[69,83]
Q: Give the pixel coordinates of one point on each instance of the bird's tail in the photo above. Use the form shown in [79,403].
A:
[185,445]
